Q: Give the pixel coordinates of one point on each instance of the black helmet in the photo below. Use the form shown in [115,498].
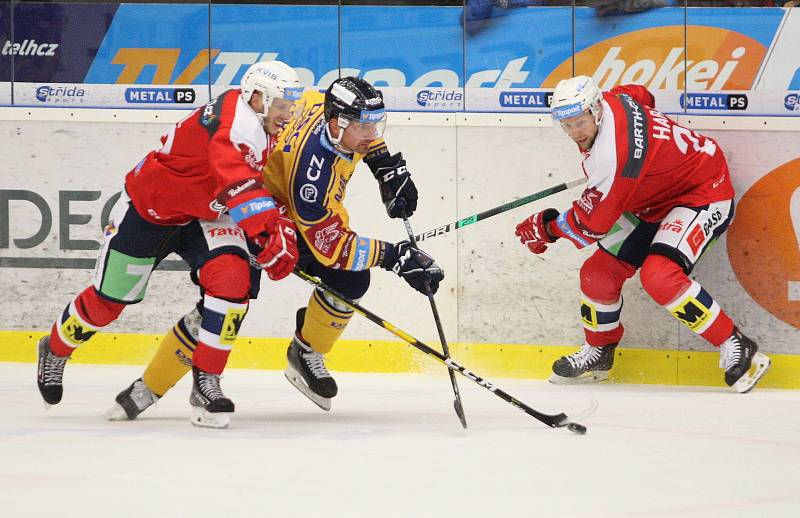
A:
[350,97]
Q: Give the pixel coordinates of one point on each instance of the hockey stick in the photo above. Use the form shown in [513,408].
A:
[440,231]
[457,402]
[553,421]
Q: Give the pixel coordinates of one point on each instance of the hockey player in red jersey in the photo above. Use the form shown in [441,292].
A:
[199,195]
[309,171]
[658,195]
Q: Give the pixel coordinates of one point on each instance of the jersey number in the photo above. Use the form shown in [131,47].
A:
[685,136]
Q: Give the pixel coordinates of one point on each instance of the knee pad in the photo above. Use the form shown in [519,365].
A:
[602,276]
[663,279]
[95,309]
[226,277]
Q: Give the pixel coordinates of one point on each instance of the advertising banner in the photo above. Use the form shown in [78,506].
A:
[720,60]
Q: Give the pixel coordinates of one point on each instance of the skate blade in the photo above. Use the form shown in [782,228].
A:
[758,367]
[116,413]
[204,419]
[583,379]
[297,381]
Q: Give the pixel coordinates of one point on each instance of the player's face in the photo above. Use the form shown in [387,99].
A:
[582,129]
[359,135]
[280,113]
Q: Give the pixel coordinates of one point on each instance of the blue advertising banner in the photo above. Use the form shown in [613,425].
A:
[179,54]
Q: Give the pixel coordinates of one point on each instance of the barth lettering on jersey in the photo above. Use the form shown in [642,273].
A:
[637,137]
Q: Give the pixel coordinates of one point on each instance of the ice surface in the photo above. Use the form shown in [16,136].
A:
[393,447]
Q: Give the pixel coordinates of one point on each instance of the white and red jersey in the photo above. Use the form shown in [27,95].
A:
[644,163]
[213,156]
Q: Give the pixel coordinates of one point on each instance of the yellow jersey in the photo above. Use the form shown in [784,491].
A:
[309,175]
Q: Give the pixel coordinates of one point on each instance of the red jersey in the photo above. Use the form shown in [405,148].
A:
[644,163]
[208,158]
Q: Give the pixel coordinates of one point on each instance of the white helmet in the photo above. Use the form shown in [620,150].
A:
[574,96]
[274,79]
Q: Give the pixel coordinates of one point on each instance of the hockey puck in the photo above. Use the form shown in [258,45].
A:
[577,428]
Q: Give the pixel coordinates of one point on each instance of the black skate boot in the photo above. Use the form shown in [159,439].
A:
[50,373]
[210,407]
[131,402]
[737,355]
[306,371]
[589,365]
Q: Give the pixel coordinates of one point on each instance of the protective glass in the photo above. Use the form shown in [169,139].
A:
[371,125]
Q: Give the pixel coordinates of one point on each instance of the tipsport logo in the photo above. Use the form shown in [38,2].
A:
[440,99]
[718,59]
[764,242]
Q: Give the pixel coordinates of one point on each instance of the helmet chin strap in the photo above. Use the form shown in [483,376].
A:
[336,141]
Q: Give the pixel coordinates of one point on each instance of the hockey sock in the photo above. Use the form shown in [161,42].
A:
[602,277]
[174,356]
[686,299]
[81,319]
[601,324]
[324,322]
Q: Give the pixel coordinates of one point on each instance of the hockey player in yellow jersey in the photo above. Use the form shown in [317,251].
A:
[308,172]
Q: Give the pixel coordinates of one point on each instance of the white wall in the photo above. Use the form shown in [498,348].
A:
[495,291]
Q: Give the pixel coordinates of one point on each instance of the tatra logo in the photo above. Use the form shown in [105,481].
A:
[769,212]
[676,225]
[226,231]
[720,59]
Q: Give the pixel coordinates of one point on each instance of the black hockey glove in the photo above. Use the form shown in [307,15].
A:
[398,192]
[416,267]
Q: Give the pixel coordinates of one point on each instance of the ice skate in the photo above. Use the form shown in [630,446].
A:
[742,362]
[588,365]
[50,373]
[131,402]
[306,371]
[210,407]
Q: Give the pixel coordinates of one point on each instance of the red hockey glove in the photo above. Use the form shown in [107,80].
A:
[532,232]
[279,255]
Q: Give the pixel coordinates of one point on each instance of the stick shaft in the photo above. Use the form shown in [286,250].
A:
[470,220]
[459,407]
[554,421]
